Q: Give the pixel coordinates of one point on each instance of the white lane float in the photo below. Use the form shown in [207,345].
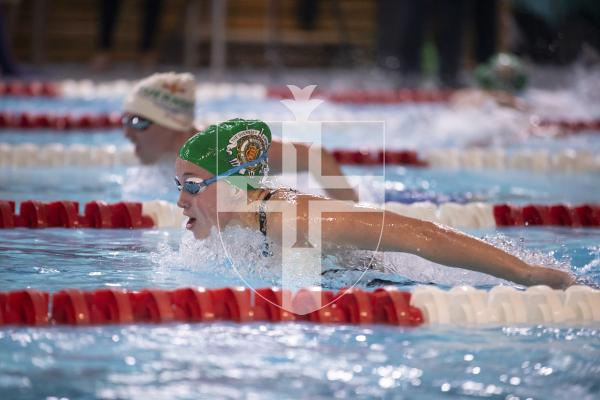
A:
[505,305]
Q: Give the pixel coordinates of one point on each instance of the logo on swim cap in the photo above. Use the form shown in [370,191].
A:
[249,145]
[173,87]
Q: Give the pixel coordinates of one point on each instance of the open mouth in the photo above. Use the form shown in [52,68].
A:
[190,223]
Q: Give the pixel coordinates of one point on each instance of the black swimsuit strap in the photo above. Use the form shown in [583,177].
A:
[262,214]
[262,219]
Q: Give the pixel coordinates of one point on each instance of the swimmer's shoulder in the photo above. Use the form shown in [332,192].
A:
[292,195]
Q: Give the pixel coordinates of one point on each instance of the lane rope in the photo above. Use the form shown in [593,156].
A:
[119,88]
[56,154]
[163,214]
[29,88]
[500,159]
[481,215]
[65,214]
[363,96]
[27,121]
[566,160]
[461,305]
[88,89]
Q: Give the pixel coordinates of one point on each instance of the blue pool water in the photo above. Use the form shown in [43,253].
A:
[271,361]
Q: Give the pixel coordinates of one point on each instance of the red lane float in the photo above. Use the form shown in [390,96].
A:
[28,89]
[105,306]
[268,305]
[2,308]
[65,214]
[194,305]
[357,306]
[394,306]
[24,307]
[232,304]
[324,302]
[151,305]
[585,215]
[571,125]
[361,96]
[110,306]
[377,157]
[7,214]
[70,307]
[28,121]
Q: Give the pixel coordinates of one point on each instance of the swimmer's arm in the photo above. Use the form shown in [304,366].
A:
[329,166]
[438,244]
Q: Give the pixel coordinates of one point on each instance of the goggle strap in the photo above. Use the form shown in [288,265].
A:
[236,169]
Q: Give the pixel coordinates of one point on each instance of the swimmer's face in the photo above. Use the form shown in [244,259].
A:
[153,142]
[201,208]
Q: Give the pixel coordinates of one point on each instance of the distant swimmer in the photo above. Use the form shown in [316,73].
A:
[209,160]
[500,80]
[496,113]
[159,116]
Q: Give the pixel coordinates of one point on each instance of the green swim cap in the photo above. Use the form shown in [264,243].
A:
[237,147]
[502,72]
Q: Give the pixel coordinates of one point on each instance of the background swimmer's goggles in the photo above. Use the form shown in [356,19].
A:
[198,185]
[136,122]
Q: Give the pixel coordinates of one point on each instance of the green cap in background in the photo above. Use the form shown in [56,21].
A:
[503,72]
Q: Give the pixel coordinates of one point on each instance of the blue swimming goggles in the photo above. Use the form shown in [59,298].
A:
[136,122]
[195,185]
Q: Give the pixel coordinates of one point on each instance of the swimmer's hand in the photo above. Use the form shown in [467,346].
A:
[556,279]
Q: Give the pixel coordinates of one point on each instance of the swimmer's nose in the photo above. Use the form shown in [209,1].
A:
[129,135]
[181,200]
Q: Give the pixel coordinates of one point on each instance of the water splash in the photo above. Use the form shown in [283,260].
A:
[208,255]
[341,267]
[590,272]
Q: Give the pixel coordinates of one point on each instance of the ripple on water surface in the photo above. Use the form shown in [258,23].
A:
[299,360]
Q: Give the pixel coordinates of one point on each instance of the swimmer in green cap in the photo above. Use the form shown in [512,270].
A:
[499,81]
[502,72]
[209,161]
